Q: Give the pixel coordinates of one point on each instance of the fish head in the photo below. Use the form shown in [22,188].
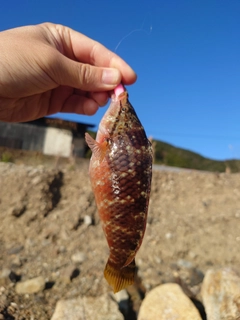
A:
[118,119]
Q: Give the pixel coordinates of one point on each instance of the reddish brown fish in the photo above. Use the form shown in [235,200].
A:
[120,172]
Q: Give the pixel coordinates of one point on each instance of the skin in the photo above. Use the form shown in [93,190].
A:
[51,68]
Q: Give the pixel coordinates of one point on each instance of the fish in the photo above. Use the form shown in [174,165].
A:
[120,172]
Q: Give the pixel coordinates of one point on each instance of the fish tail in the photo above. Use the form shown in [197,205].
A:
[120,278]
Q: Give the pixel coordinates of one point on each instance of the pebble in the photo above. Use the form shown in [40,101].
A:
[87,220]
[17,210]
[36,180]
[15,250]
[68,274]
[99,308]
[61,249]
[189,273]
[168,235]
[14,277]
[30,286]
[184,263]
[78,257]
[4,276]
[221,294]
[16,262]
[168,302]
[122,298]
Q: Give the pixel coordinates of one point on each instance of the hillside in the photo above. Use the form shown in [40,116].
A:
[172,156]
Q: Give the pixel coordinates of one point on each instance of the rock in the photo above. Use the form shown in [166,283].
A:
[181,263]
[168,235]
[68,274]
[168,302]
[4,277]
[36,180]
[16,262]
[18,210]
[122,299]
[99,308]
[78,257]
[30,286]
[61,249]
[221,294]
[15,250]
[87,220]
[14,277]
[188,273]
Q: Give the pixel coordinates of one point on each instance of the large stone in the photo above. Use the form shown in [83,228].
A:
[221,294]
[99,308]
[30,286]
[168,302]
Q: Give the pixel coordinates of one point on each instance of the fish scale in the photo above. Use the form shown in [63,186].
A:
[120,173]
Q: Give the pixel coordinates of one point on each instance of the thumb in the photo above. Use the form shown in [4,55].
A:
[85,76]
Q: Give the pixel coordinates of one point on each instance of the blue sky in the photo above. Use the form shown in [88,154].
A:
[186,55]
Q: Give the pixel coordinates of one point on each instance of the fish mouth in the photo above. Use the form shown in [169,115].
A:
[120,97]
[119,93]
[119,89]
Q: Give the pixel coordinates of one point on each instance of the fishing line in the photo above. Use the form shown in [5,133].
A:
[137,30]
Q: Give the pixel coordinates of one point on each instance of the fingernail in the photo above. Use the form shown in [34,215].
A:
[110,76]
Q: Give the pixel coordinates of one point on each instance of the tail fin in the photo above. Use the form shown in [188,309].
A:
[120,278]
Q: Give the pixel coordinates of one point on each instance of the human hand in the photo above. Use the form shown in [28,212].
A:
[51,68]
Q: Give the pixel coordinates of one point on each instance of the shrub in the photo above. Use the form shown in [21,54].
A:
[6,157]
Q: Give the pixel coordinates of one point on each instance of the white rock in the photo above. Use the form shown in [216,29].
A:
[36,180]
[221,294]
[168,302]
[78,257]
[184,264]
[99,308]
[120,295]
[30,286]
[168,235]
[122,298]
[87,220]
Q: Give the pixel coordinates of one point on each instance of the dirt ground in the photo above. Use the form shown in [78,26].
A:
[50,228]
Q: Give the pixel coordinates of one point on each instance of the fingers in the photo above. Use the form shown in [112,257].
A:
[82,76]
[96,54]
[101,98]
[91,52]
[65,99]
[81,105]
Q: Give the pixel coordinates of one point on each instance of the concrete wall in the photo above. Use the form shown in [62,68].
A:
[79,147]
[48,140]
[22,136]
[58,142]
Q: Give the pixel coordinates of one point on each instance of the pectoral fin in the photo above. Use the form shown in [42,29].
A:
[98,149]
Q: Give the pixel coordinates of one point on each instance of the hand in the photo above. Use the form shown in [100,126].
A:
[50,68]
